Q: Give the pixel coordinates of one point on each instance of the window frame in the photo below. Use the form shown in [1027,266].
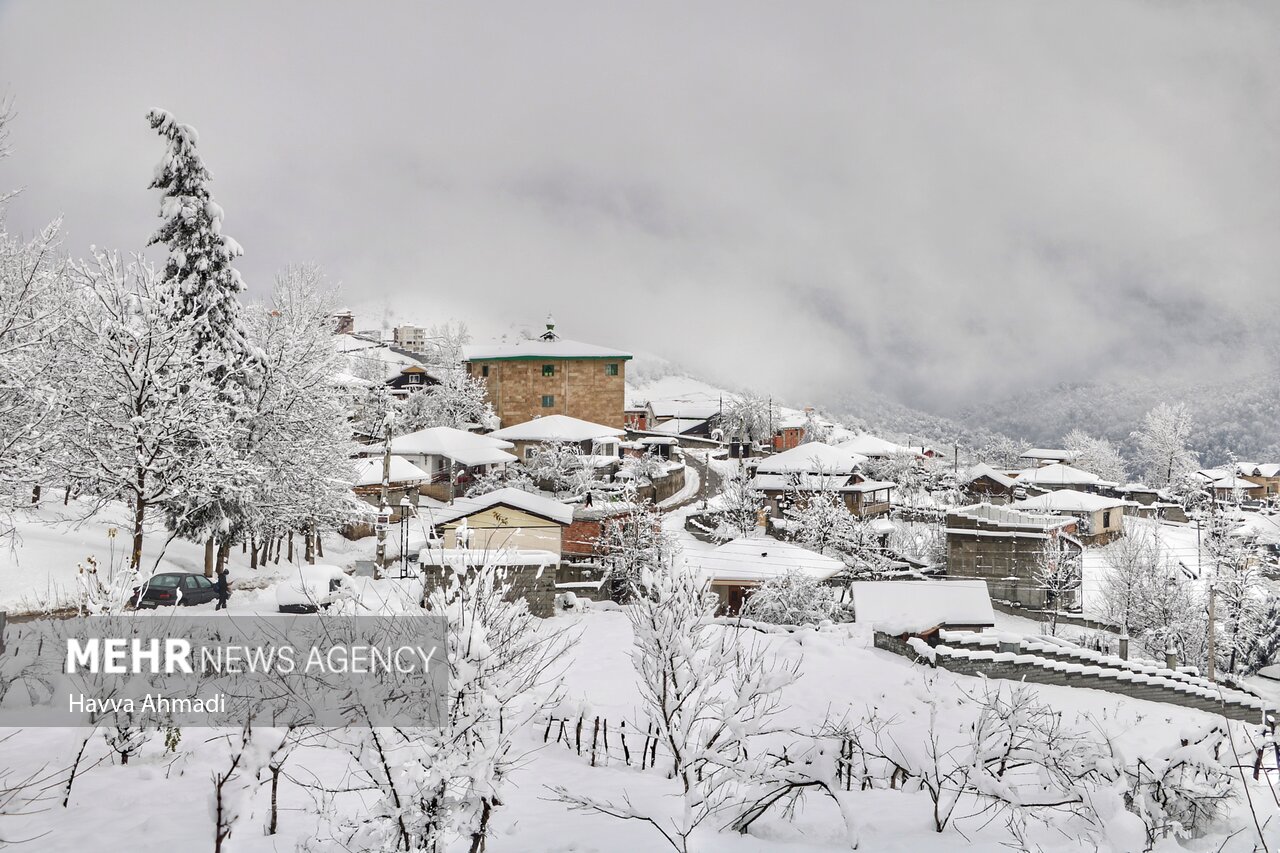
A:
[611,369]
[548,401]
[549,371]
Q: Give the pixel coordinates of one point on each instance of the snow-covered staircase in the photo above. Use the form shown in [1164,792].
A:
[1031,660]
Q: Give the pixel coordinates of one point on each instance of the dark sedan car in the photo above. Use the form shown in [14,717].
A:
[176,588]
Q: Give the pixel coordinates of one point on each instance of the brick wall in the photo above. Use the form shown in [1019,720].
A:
[581,387]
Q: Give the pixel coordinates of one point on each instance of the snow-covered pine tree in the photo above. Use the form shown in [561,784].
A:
[202,291]
[204,287]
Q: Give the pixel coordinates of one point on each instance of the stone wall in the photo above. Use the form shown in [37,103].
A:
[1033,674]
[582,389]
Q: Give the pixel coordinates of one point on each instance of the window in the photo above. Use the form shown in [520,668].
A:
[484,370]
[548,400]
[548,370]
[611,370]
[1106,518]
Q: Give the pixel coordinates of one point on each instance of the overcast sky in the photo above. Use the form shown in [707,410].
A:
[933,201]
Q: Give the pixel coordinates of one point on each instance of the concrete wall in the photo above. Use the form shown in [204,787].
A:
[582,389]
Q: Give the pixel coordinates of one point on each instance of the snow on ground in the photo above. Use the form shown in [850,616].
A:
[1176,541]
[38,567]
[112,807]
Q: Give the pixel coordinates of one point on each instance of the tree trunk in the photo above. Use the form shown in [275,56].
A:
[253,554]
[208,557]
[319,546]
[310,546]
[139,516]
[66,496]
[290,546]
[224,551]
[275,788]
[35,495]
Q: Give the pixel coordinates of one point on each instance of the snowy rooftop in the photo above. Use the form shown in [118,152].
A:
[1053,453]
[515,498]
[548,345]
[751,559]
[698,410]
[556,428]
[900,607]
[1254,469]
[1003,516]
[815,458]
[1069,500]
[676,426]
[870,445]
[983,470]
[369,471]
[465,448]
[1058,474]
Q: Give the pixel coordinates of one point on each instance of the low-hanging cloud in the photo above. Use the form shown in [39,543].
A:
[934,201]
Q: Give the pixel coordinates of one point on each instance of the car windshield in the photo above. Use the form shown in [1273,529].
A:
[164,581]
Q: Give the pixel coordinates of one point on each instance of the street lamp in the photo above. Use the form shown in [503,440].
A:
[406,512]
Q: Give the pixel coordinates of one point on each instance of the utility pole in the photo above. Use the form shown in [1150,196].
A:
[1212,591]
[955,458]
[384,511]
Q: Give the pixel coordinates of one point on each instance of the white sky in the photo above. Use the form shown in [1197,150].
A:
[935,201]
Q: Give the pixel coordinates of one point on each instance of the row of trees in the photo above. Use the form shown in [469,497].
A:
[158,387]
[1162,455]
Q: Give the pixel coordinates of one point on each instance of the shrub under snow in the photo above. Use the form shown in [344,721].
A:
[793,599]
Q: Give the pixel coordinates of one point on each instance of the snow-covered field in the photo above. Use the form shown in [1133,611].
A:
[159,801]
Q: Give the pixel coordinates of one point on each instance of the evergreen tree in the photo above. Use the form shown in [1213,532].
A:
[204,286]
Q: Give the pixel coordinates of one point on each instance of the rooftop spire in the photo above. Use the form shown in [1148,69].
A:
[550,333]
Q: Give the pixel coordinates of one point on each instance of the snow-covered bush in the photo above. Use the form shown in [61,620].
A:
[793,598]
[711,695]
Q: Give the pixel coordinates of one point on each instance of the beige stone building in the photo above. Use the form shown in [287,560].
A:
[551,376]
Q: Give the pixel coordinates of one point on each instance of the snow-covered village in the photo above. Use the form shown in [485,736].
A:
[727,429]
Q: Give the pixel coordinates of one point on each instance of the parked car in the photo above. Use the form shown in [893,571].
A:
[311,588]
[169,588]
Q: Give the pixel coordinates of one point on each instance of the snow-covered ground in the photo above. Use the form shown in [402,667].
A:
[38,567]
[159,801]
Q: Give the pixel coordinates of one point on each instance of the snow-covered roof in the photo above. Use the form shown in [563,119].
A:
[369,471]
[1069,500]
[752,559]
[1054,453]
[465,448]
[1255,469]
[803,482]
[902,607]
[347,379]
[812,458]
[541,347]
[869,445]
[1003,517]
[677,426]
[1234,481]
[983,470]
[1058,474]
[870,486]
[539,505]
[698,410]
[556,428]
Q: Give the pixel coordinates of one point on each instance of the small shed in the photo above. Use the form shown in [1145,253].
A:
[737,567]
[922,608]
